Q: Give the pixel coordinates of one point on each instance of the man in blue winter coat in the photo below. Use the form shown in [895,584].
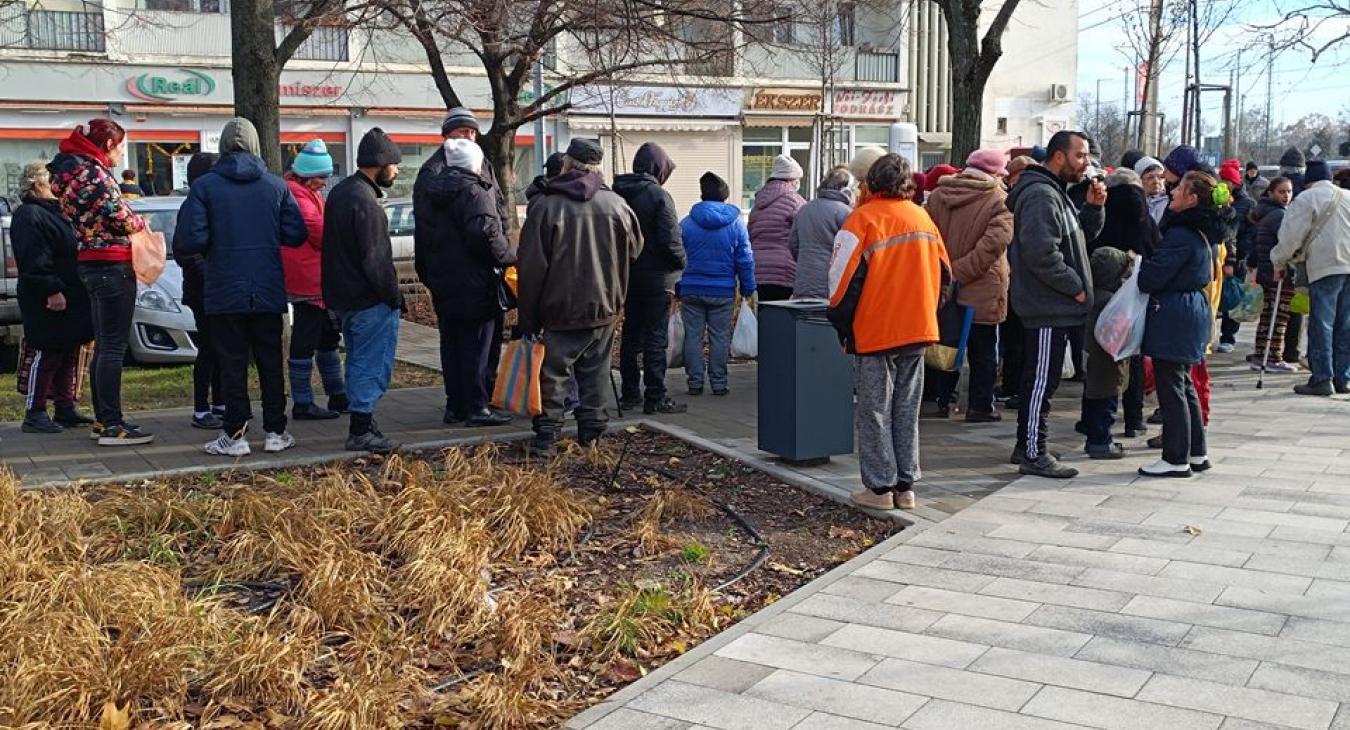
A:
[239,216]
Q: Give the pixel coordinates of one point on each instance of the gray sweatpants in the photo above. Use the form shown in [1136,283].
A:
[889,390]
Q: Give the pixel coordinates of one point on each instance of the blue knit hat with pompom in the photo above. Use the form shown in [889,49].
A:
[313,160]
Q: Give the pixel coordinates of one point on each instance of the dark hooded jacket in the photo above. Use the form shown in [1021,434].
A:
[1265,220]
[577,246]
[1106,378]
[1245,237]
[462,264]
[1179,322]
[424,226]
[1127,224]
[45,251]
[662,259]
[239,216]
[358,258]
[1048,255]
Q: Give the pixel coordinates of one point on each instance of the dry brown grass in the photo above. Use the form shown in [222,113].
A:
[665,507]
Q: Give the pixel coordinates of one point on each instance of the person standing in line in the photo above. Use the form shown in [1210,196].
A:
[1254,182]
[360,284]
[81,178]
[1010,333]
[578,244]
[129,189]
[463,271]
[208,392]
[314,333]
[52,302]
[1154,180]
[1180,319]
[776,207]
[883,301]
[859,166]
[812,238]
[970,208]
[718,248]
[1274,323]
[552,168]
[1316,229]
[651,288]
[239,216]
[1051,285]
[1239,245]
[1106,378]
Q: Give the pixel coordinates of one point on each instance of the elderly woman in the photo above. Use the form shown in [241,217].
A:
[53,303]
[812,238]
[776,207]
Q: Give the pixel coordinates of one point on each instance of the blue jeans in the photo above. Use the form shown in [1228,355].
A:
[712,314]
[371,335]
[1329,329]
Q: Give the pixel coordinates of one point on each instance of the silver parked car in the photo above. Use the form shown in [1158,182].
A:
[163,329]
[400,214]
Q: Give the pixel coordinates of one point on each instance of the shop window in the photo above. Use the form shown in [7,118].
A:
[154,166]
[871,136]
[756,164]
[1002,125]
[845,26]
[187,6]
[336,150]
[763,134]
[800,134]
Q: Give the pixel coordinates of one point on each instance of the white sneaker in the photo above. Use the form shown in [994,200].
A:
[278,442]
[224,445]
[1161,468]
[1226,347]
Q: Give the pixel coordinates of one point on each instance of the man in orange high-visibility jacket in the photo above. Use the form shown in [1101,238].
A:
[887,274]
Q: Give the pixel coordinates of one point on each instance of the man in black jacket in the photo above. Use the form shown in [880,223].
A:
[360,283]
[646,312]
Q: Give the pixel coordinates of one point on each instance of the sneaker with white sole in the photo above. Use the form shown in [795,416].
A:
[1226,347]
[275,442]
[226,445]
[1200,463]
[1162,468]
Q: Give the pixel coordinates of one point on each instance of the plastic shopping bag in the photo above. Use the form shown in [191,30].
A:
[517,388]
[745,338]
[1250,304]
[1120,326]
[675,339]
[954,321]
[1300,303]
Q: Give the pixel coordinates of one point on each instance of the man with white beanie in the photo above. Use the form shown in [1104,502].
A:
[771,218]
[462,266]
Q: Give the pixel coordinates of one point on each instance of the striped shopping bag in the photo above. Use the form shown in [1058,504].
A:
[517,387]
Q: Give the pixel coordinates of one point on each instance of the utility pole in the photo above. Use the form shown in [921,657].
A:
[1228,136]
[1195,44]
[1097,116]
[1270,96]
[1125,110]
[1186,94]
[1149,126]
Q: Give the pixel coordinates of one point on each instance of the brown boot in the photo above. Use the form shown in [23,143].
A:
[905,500]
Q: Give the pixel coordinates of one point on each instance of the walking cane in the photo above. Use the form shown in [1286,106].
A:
[1270,328]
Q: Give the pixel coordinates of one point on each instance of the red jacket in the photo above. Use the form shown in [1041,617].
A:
[304,263]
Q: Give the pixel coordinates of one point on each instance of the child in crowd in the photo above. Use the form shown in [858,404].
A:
[1106,378]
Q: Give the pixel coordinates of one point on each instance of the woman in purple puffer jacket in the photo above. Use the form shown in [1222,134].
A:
[776,206]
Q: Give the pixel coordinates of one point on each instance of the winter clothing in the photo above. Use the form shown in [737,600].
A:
[90,200]
[1316,171]
[1043,349]
[776,207]
[971,211]
[239,135]
[1293,161]
[358,259]
[1329,330]
[1329,253]
[112,299]
[582,354]
[1145,164]
[303,264]
[242,338]
[1268,218]
[45,251]
[650,159]
[989,161]
[935,175]
[710,315]
[314,339]
[982,359]
[239,216]
[458,118]
[464,154]
[1049,252]
[718,248]
[578,244]
[1039,153]
[313,160]
[461,264]
[377,150]
[1131,158]
[1127,224]
[371,336]
[785,168]
[553,165]
[890,390]
[1177,328]
[1183,431]
[713,188]
[1181,160]
[646,335]
[889,269]
[1231,172]
[863,160]
[51,375]
[1106,378]
[1244,240]
[812,241]
[662,259]
[208,390]
[424,221]
[585,151]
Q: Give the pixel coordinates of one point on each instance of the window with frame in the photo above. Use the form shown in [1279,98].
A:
[187,6]
[845,25]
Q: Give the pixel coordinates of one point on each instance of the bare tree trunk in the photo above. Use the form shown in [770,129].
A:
[257,73]
[972,60]
[499,145]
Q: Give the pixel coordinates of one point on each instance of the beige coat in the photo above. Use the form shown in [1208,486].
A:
[971,211]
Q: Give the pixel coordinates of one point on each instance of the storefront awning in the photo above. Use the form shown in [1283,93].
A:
[942,139]
[771,120]
[638,124]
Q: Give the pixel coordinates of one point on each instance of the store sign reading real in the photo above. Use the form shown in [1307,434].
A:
[188,84]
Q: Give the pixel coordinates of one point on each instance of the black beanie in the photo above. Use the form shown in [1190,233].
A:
[1317,172]
[200,164]
[377,150]
[553,165]
[585,151]
[711,187]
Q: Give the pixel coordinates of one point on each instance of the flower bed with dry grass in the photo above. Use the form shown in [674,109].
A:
[466,588]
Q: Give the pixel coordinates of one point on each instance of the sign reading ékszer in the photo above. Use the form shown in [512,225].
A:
[189,83]
[783,100]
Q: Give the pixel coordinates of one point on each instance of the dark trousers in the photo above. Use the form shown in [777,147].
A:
[774,293]
[239,337]
[1099,415]
[1292,335]
[207,390]
[1132,402]
[313,330]
[646,315]
[1044,348]
[495,353]
[585,355]
[1010,342]
[1228,329]
[982,355]
[112,296]
[52,375]
[1076,335]
[1183,431]
[465,349]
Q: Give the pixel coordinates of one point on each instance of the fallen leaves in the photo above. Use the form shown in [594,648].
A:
[114,717]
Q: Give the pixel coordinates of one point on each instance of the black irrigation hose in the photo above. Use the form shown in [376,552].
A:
[618,464]
[759,542]
[253,585]
[461,679]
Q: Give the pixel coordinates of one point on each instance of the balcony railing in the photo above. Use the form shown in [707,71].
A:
[61,30]
[875,66]
[326,43]
[718,64]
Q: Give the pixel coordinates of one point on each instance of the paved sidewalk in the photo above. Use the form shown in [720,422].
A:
[1107,601]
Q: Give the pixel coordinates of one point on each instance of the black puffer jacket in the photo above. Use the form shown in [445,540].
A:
[424,226]
[1267,219]
[663,258]
[1127,224]
[45,250]
[358,258]
[1243,205]
[461,263]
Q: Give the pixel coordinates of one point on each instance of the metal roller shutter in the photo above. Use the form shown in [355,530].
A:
[694,153]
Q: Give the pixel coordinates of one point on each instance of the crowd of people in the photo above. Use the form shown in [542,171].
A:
[1032,247]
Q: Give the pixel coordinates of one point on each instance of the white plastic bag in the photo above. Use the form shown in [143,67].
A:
[745,338]
[1066,368]
[675,339]
[1120,326]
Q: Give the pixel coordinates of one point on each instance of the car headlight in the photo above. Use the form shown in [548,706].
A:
[156,299]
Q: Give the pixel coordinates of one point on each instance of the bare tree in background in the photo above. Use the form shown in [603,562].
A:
[972,59]
[1154,32]
[1317,27]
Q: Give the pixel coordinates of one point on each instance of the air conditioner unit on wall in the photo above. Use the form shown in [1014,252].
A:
[1059,92]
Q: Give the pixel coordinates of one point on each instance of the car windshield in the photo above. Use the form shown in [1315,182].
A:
[161,220]
[400,218]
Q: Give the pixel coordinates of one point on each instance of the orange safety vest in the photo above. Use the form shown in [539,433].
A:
[906,268]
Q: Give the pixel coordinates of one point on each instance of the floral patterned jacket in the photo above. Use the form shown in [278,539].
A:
[91,201]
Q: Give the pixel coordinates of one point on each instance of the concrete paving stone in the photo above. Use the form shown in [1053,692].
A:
[858,700]
[1237,723]
[1169,531]
[1319,509]
[1055,594]
[1260,580]
[1149,585]
[1303,682]
[87,471]
[972,544]
[1048,536]
[1114,713]
[1252,704]
[1176,509]
[1283,650]
[798,627]
[1061,671]
[626,719]
[1311,629]
[957,685]
[917,555]
[991,565]
[1320,537]
[1190,552]
[863,589]
[1272,547]
[1169,660]
[1009,635]
[1055,508]
[1097,559]
[1284,603]
[825,721]
[716,709]
[1218,524]
[727,675]
[850,610]
[1204,614]
[1283,519]
[1326,570]
[942,715]
[1326,588]
[1342,721]
[826,661]
[1298,496]
[920,575]
[38,475]
[1101,623]
[905,645]
[944,601]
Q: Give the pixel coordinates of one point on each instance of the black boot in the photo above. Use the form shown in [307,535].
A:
[70,417]
[312,412]
[339,403]
[39,422]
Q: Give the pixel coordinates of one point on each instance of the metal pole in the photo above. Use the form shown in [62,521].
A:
[1228,141]
[539,121]
[1097,116]
[1195,43]
[1270,95]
